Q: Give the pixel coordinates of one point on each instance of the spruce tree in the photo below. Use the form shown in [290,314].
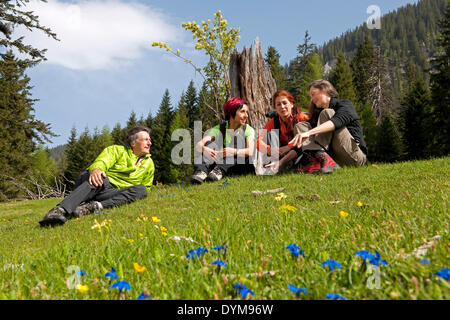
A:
[207,115]
[191,102]
[414,121]
[20,131]
[341,78]
[361,68]
[161,144]
[180,121]
[12,14]
[389,146]
[370,130]
[273,61]
[440,89]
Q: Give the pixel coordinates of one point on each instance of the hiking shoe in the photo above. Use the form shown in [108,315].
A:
[313,166]
[56,216]
[216,174]
[199,176]
[327,164]
[86,209]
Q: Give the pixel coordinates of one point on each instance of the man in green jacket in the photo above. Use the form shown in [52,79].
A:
[119,175]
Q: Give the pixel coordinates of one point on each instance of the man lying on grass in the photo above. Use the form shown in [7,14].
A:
[119,175]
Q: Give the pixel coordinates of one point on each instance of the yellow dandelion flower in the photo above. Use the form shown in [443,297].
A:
[130,240]
[360,204]
[164,234]
[217,219]
[82,288]
[139,268]
[163,229]
[141,235]
[155,219]
[343,214]
[287,208]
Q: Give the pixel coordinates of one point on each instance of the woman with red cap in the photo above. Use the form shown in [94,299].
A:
[228,147]
[275,144]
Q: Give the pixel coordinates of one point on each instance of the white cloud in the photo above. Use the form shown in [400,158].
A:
[100,34]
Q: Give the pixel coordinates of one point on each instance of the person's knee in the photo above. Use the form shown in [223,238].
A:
[302,127]
[326,114]
[140,191]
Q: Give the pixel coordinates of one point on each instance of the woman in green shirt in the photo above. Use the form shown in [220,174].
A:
[226,148]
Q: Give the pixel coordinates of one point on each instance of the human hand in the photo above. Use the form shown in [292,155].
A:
[96,177]
[211,154]
[229,152]
[273,166]
[298,140]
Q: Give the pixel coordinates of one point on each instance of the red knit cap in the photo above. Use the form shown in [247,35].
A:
[232,105]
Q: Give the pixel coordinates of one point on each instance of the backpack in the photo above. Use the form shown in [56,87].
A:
[223,128]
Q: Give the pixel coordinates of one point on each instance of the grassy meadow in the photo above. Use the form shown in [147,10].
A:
[399,210]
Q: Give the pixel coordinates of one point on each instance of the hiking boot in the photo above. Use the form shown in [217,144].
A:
[327,164]
[86,208]
[56,216]
[199,176]
[216,174]
[313,166]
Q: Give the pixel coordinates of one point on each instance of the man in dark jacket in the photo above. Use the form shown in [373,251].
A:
[334,127]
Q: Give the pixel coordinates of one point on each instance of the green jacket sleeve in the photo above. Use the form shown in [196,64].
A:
[106,159]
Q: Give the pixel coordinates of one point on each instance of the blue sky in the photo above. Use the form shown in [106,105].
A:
[104,66]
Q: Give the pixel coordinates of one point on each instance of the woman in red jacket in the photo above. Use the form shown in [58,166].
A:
[276,144]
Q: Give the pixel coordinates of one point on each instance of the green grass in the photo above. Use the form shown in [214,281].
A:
[403,205]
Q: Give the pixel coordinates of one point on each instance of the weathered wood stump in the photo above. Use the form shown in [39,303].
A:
[251,80]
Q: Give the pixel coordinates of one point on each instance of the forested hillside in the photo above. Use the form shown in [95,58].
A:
[408,37]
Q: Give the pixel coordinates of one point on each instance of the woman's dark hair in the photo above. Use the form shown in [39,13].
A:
[132,134]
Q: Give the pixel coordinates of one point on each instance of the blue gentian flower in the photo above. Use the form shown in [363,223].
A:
[196,252]
[424,261]
[295,250]
[243,290]
[144,296]
[376,260]
[296,290]
[444,273]
[122,284]
[365,254]
[220,263]
[224,248]
[112,274]
[335,296]
[373,259]
[332,264]
[81,273]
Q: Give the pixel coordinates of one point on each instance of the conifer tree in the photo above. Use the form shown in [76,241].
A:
[414,120]
[341,78]
[370,130]
[19,129]
[180,121]
[15,13]
[191,102]
[440,89]
[361,67]
[207,115]
[161,146]
[273,61]
[389,146]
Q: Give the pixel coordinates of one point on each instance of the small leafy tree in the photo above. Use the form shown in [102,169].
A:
[218,42]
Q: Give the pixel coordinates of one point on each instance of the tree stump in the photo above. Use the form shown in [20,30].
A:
[251,80]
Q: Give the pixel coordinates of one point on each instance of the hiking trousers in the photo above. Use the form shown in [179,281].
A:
[345,149]
[107,194]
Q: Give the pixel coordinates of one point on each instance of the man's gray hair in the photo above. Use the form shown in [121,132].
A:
[133,134]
